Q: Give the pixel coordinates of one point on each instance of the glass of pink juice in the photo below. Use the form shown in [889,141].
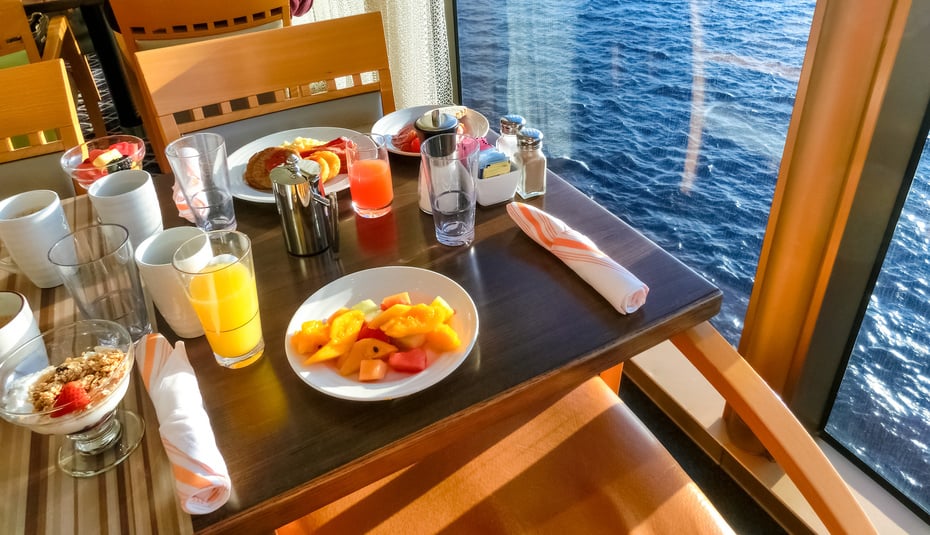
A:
[369,175]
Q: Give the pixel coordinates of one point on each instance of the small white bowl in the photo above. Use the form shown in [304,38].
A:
[498,189]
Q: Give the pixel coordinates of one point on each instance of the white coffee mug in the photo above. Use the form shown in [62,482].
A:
[17,322]
[153,256]
[128,198]
[30,223]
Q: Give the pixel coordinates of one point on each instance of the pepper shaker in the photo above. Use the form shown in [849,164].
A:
[532,163]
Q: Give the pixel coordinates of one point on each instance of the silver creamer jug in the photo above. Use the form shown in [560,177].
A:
[309,219]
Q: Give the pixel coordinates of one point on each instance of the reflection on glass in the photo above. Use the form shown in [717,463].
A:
[667,114]
[882,409]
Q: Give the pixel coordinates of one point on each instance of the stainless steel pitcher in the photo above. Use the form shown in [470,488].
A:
[309,220]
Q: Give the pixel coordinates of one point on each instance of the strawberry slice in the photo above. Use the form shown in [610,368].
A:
[72,398]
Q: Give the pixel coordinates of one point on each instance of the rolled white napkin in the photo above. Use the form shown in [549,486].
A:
[620,287]
[201,478]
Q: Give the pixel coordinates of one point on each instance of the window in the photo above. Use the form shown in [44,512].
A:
[674,117]
[881,412]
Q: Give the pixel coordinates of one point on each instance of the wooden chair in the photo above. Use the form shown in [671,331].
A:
[38,121]
[18,47]
[151,24]
[586,464]
[269,74]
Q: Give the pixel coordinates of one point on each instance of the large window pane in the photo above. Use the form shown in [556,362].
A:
[881,413]
[671,114]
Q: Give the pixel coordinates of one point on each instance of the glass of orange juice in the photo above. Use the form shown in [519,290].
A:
[369,175]
[218,276]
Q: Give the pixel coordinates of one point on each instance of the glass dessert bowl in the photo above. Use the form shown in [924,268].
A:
[69,381]
[101,156]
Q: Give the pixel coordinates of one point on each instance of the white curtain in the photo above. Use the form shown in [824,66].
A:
[417,43]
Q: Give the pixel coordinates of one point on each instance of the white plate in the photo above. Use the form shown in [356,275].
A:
[375,284]
[476,125]
[239,159]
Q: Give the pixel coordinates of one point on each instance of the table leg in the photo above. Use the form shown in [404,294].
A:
[100,36]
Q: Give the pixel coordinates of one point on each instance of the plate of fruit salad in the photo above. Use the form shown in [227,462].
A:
[381,333]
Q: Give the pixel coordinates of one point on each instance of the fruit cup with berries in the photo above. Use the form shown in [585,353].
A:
[99,157]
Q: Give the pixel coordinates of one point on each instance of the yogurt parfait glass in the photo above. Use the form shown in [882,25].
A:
[69,381]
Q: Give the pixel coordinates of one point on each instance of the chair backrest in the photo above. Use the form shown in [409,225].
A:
[147,24]
[37,117]
[198,86]
[15,35]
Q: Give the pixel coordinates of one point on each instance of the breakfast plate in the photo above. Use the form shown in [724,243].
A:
[240,158]
[476,125]
[423,285]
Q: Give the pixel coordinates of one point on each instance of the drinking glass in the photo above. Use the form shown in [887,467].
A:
[369,175]
[218,276]
[96,264]
[450,163]
[97,355]
[200,169]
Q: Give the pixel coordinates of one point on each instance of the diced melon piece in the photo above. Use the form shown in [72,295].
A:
[445,308]
[412,361]
[364,349]
[410,342]
[367,307]
[442,339]
[402,298]
[372,370]
[342,334]
[387,315]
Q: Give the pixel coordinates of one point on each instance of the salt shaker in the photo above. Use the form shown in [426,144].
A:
[507,142]
[532,163]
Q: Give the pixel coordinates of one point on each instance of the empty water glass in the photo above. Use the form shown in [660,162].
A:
[96,264]
[450,164]
[202,173]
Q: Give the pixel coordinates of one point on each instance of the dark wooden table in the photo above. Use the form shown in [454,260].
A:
[543,331]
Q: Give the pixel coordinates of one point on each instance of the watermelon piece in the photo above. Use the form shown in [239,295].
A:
[413,361]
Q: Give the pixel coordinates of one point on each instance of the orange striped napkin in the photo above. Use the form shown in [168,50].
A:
[620,287]
[201,478]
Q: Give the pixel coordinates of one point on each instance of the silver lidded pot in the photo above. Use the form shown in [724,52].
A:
[433,123]
[309,219]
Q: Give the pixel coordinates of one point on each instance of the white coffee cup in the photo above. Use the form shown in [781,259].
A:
[153,256]
[17,322]
[30,223]
[128,198]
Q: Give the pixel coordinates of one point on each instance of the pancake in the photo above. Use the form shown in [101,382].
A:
[261,163]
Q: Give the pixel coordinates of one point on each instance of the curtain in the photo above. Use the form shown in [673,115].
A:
[417,43]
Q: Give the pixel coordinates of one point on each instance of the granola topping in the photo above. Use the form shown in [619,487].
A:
[93,369]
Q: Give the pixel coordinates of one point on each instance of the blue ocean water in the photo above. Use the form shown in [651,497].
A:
[673,115]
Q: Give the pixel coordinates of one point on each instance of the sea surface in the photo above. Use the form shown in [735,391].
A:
[673,115]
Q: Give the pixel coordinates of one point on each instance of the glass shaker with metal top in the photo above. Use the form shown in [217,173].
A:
[507,142]
[432,123]
[532,163]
